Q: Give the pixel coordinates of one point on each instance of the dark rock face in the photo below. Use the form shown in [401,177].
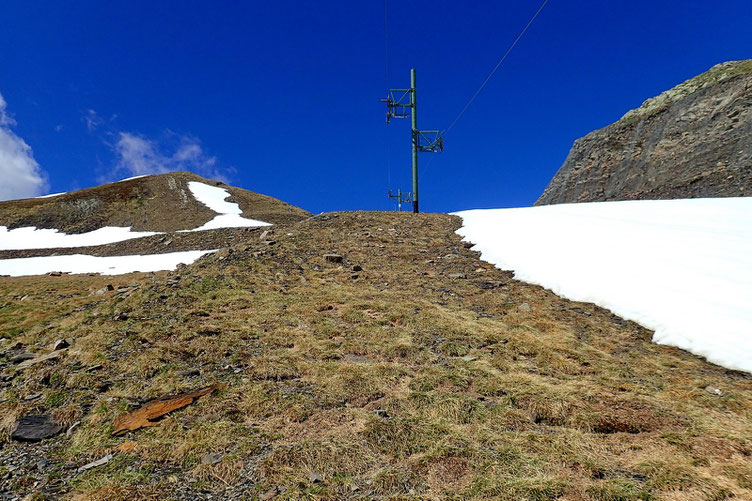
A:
[692,141]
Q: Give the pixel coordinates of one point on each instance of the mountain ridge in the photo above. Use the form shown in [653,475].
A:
[160,202]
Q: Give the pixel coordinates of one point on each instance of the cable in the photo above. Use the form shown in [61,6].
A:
[495,68]
[386,72]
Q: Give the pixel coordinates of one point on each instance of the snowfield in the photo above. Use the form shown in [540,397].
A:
[229,214]
[32,238]
[682,268]
[110,265]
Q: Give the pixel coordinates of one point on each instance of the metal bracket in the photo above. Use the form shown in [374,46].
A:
[396,107]
[429,141]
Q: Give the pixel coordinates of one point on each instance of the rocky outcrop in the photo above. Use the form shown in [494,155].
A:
[692,141]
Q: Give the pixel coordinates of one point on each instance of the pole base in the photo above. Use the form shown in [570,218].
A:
[415,206]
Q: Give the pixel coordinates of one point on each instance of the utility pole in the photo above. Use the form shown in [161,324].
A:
[401,103]
[414,130]
[401,198]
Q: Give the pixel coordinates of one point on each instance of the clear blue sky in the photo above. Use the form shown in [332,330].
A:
[282,97]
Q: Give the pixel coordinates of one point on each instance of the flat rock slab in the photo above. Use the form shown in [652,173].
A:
[34,428]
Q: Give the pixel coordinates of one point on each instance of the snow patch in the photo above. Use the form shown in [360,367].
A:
[229,214]
[131,178]
[32,238]
[53,195]
[682,268]
[110,265]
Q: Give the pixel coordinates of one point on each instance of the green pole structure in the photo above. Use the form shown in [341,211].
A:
[414,119]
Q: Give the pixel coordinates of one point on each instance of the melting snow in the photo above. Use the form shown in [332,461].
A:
[32,238]
[229,213]
[110,265]
[682,268]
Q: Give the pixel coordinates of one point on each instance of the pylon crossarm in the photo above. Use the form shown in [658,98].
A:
[396,107]
[430,141]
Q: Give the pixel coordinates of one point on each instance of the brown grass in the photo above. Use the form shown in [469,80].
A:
[362,380]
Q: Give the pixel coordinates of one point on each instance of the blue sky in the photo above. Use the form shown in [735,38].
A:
[282,97]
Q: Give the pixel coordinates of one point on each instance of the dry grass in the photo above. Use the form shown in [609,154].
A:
[362,380]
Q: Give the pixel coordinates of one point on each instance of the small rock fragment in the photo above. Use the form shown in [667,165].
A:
[264,235]
[22,358]
[333,258]
[715,391]
[469,358]
[94,464]
[315,477]
[524,307]
[211,458]
[60,344]
[188,373]
[106,288]
[457,275]
[381,413]
[69,431]
[42,358]
[35,396]
[270,494]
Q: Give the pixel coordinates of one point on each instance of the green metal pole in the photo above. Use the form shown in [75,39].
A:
[414,119]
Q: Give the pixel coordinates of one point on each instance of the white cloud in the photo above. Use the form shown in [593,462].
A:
[93,120]
[138,156]
[20,174]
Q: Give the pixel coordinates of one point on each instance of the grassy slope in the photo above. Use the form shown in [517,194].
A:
[564,401]
[157,203]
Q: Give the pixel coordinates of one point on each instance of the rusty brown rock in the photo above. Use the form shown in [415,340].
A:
[150,413]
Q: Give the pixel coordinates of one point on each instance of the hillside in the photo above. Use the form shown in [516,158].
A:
[162,203]
[402,367]
[691,141]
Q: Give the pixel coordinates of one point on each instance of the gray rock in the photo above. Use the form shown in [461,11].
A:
[315,477]
[356,359]
[457,275]
[34,428]
[99,462]
[469,358]
[22,358]
[211,458]
[103,290]
[188,373]
[35,396]
[716,392]
[524,307]
[264,235]
[60,344]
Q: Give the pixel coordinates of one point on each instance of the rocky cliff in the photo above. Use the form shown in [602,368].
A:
[692,141]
